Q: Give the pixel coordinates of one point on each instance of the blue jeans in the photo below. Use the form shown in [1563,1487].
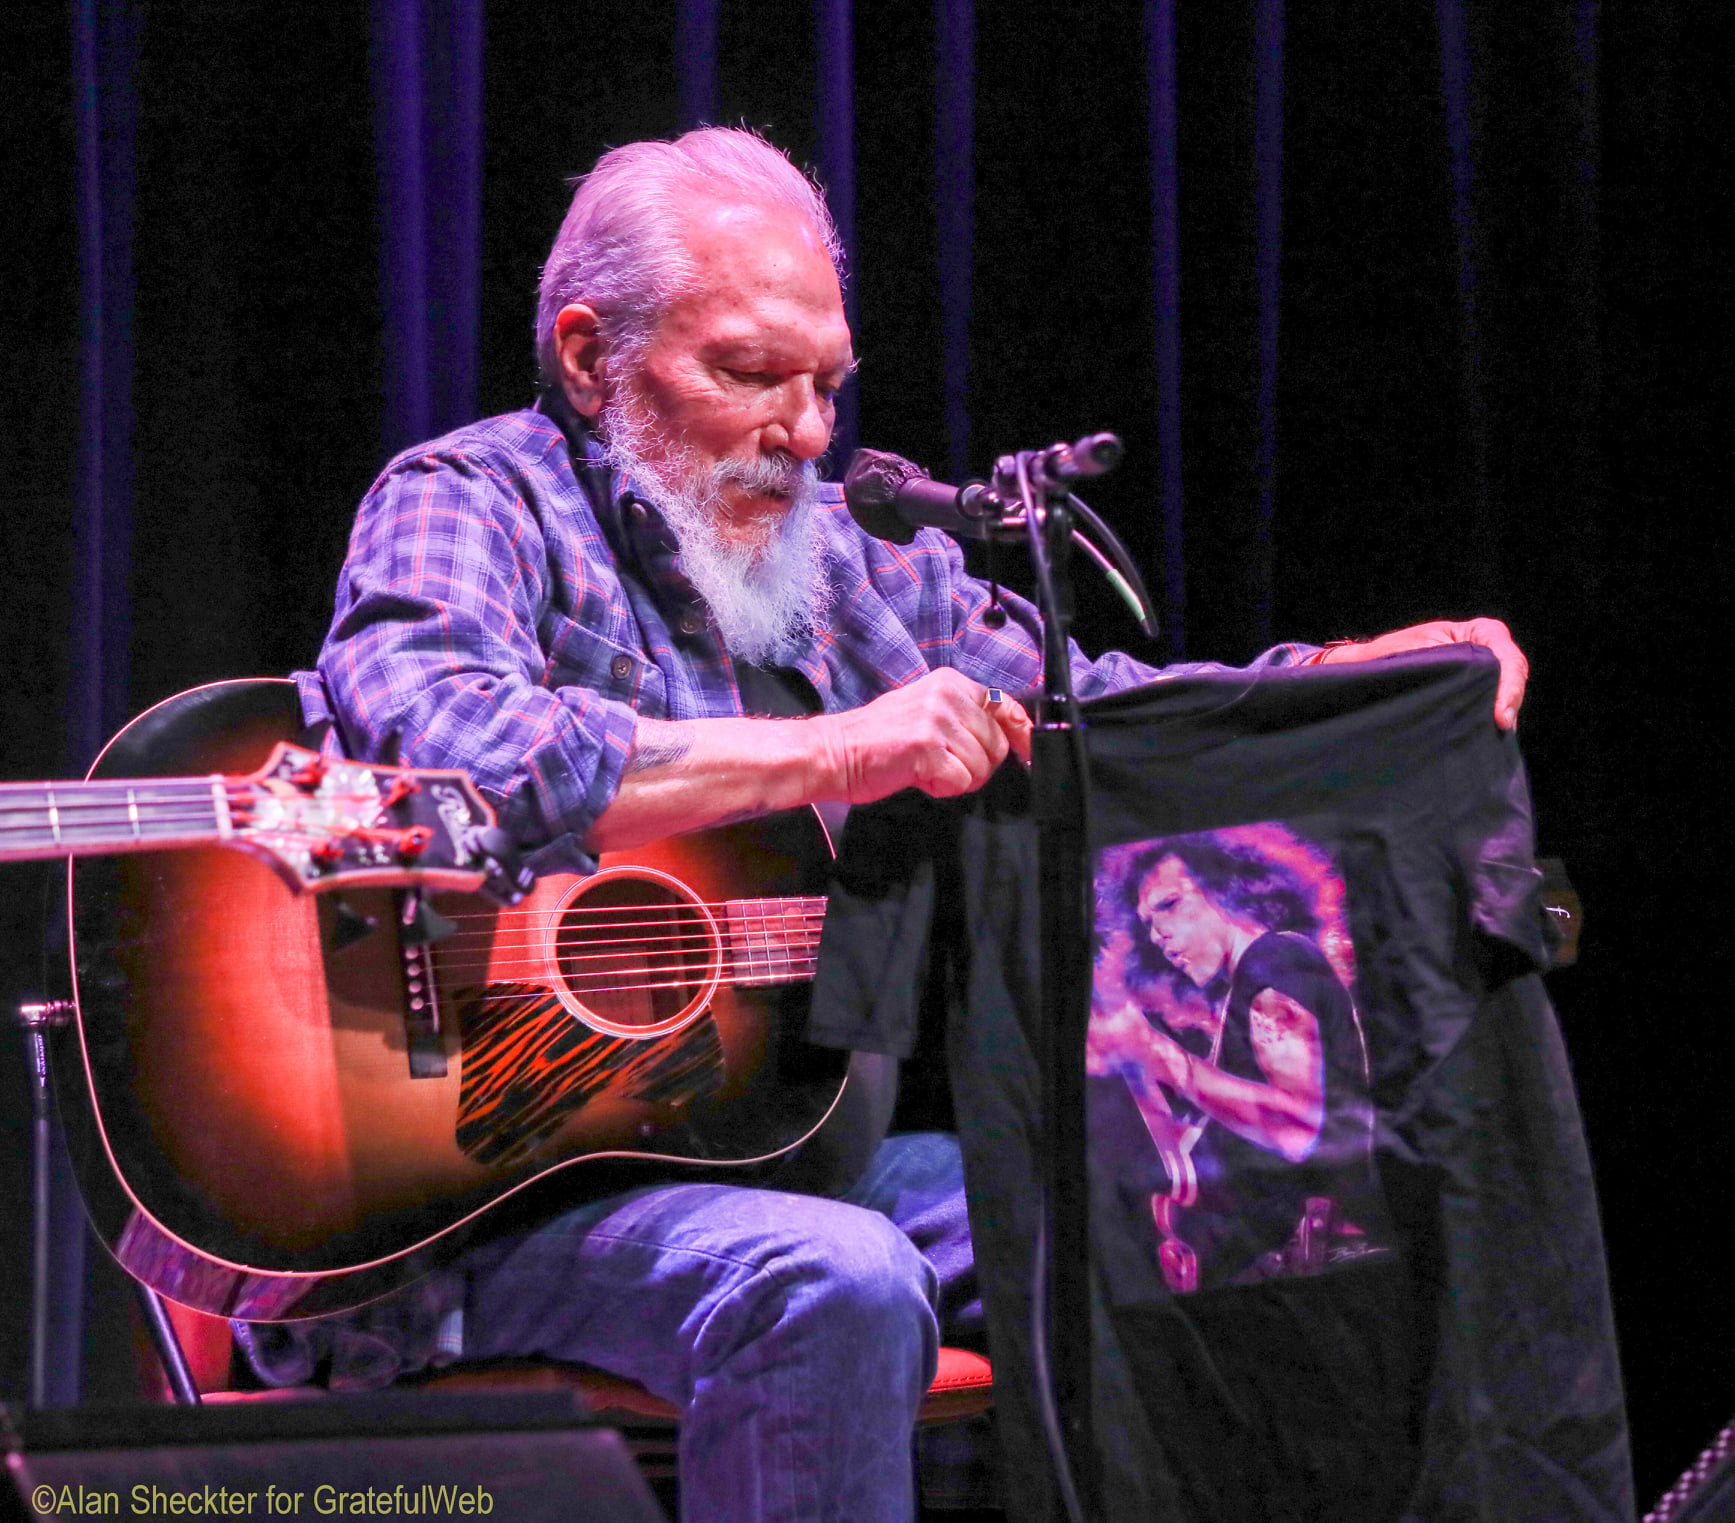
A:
[798,1334]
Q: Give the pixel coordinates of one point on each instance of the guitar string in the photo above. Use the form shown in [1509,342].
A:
[162,829]
[494,972]
[96,792]
[590,927]
[739,970]
[625,961]
[643,949]
[150,810]
[758,928]
[67,806]
[763,947]
[748,978]
[160,805]
[145,791]
[674,958]
[120,816]
[799,944]
[765,934]
[730,907]
[152,814]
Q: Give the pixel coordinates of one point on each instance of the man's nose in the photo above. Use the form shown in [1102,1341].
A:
[803,423]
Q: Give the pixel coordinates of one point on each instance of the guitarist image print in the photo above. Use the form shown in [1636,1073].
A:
[1222,1000]
[632,613]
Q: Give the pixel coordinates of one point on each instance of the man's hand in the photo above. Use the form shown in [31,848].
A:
[943,734]
[1514,669]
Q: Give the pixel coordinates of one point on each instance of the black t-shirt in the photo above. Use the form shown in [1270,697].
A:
[1423,1333]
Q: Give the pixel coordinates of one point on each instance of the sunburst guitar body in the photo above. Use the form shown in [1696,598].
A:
[288,1103]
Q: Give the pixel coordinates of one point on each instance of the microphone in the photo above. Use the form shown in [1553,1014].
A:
[890,498]
[1093,455]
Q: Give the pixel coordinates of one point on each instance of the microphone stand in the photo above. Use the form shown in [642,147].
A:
[1040,483]
[1030,499]
[1061,795]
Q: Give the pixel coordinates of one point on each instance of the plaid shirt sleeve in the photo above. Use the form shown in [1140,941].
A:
[1011,656]
[434,657]
[905,609]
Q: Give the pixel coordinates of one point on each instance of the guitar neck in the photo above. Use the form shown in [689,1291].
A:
[772,941]
[142,814]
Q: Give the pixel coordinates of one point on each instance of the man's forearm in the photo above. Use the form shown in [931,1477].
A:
[1265,1114]
[689,774]
[943,734]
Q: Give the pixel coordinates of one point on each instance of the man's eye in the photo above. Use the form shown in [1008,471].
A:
[755,377]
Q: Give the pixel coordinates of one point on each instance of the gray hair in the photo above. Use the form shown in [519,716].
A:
[619,250]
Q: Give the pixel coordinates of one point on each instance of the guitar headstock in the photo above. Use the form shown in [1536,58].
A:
[322,822]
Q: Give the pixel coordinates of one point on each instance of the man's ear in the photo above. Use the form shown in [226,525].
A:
[578,346]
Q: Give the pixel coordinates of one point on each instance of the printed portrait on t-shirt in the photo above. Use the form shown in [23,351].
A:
[1222,1000]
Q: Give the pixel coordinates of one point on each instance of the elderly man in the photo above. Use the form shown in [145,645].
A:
[583,604]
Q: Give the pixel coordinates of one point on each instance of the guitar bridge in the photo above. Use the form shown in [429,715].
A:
[419,927]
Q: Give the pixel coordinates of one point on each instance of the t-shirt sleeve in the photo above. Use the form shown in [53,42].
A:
[433,657]
[1291,966]
[1496,840]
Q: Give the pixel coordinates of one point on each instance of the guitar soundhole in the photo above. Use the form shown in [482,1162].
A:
[636,954]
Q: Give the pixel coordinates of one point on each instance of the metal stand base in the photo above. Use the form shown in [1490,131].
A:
[36,1020]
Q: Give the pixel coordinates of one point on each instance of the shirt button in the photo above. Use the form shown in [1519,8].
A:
[691,622]
[639,511]
[621,667]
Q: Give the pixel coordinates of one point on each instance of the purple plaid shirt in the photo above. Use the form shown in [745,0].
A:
[510,606]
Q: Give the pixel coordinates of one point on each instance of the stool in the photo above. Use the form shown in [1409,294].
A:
[963,1386]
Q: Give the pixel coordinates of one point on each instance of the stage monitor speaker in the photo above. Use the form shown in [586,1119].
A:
[517,1457]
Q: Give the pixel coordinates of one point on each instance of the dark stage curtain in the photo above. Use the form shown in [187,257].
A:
[428,147]
[1403,311]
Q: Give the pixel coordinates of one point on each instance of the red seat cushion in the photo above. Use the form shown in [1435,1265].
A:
[963,1386]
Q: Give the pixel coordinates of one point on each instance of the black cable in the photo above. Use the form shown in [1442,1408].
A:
[1044,1377]
[1123,560]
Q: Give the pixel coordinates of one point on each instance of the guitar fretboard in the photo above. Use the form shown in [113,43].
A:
[68,819]
[772,941]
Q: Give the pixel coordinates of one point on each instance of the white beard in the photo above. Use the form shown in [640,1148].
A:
[765,593]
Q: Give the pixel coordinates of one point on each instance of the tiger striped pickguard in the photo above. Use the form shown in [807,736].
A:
[528,1065]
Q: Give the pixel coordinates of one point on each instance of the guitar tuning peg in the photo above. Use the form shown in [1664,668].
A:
[310,773]
[402,786]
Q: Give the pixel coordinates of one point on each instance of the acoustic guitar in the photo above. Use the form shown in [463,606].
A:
[288,1103]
